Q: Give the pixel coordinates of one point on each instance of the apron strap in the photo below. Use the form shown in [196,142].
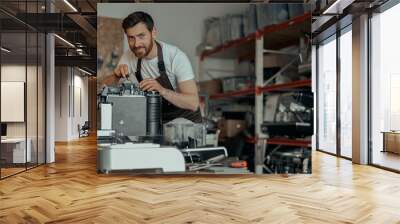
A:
[138,72]
[163,78]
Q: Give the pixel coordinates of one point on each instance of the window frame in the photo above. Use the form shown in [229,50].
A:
[333,37]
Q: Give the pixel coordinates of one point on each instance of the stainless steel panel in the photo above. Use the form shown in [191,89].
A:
[129,114]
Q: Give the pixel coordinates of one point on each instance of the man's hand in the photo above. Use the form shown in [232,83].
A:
[121,71]
[113,78]
[151,85]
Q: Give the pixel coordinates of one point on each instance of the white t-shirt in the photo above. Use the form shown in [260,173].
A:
[176,62]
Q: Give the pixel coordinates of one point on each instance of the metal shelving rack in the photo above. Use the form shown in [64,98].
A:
[253,47]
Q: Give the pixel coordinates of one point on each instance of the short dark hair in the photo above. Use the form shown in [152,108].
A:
[137,17]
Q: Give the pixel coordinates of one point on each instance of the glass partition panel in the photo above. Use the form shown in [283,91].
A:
[346,93]
[327,96]
[14,150]
[41,109]
[32,96]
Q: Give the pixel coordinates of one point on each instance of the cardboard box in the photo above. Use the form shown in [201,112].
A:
[274,60]
[269,14]
[210,87]
[297,10]
[235,83]
[231,128]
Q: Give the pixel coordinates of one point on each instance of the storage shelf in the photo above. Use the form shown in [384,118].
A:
[287,86]
[284,141]
[284,34]
[273,37]
[244,92]
[289,142]
[270,88]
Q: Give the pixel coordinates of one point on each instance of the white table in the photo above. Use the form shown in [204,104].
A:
[18,150]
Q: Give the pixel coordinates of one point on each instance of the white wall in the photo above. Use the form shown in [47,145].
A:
[15,72]
[61,111]
[67,116]
[82,82]
[79,117]
[180,24]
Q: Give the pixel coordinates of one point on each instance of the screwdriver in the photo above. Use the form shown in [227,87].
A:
[238,164]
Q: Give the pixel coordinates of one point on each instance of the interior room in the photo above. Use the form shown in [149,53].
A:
[384,89]
[22,99]
[334,56]
[299,116]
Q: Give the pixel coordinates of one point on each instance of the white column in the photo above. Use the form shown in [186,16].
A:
[314,90]
[360,90]
[259,66]
[50,92]
[50,101]
[63,102]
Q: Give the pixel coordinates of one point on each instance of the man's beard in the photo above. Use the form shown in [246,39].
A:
[139,53]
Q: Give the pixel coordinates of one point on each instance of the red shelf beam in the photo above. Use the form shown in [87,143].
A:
[289,142]
[283,141]
[244,92]
[250,91]
[266,30]
[230,44]
[290,85]
[281,26]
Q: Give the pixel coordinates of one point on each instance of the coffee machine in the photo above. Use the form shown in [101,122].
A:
[131,134]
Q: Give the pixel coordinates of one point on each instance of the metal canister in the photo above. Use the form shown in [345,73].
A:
[154,118]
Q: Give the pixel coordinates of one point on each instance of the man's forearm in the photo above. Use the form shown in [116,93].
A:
[110,80]
[181,100]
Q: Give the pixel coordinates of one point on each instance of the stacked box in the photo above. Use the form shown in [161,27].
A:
[235,83]
[210,87]
[296,10]
[212,32]
[249,20]
[231,27]
[236,28]
[269,14]
[231,127]
[257,16]
[246,28]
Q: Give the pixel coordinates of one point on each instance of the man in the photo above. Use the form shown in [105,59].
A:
[157,66]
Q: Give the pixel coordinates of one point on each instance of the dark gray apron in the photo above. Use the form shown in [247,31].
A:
[169,111]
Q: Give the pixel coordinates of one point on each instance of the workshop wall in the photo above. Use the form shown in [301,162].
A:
[186,20]
[109,46]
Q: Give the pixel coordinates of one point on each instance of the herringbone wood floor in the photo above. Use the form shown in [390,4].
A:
[70,191]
